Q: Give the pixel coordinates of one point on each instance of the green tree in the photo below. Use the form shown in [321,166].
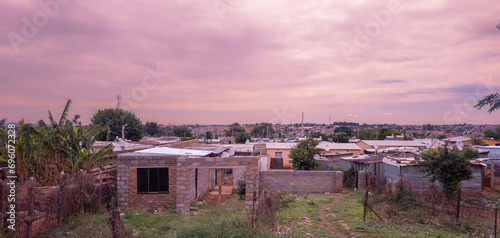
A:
[302,155]
[263,130]
[113,119]
[323,137]
[234,129]
[43,152]
[153,129]
[242,137]
[495,134]
[441,137]
[449,167]
[208,135]
[344,129]
[476,140]
[339,137]
[181,131]
[2,122]
[492,100]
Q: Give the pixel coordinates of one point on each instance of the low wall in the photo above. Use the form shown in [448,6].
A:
[301,181]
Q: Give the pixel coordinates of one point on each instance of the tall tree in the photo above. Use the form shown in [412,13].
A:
[152,129]
[302,155]
[242,137]
[234,129]
[492,100]
[113,119]
[476,140]
[449,167]
[208,135]
[345,129]
[495,134]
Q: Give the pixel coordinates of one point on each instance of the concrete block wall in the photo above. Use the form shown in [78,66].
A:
[127,196]
[203,181]
[301,181]
[185,164]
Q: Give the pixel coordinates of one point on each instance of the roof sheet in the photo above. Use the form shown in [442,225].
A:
[174,151]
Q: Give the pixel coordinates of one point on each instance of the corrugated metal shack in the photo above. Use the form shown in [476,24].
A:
[395,167]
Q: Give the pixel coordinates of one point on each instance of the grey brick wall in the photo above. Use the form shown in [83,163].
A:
[301,181]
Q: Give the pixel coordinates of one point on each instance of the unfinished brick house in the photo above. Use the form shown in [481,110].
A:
[167,177]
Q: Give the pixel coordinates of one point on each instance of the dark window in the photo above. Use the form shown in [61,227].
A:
[152,180]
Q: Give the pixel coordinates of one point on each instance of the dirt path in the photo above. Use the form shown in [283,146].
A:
[325,213]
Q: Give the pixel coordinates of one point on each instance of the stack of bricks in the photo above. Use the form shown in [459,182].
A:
[127,181]
[301,181]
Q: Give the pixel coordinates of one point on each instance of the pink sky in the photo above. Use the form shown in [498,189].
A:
[252,61]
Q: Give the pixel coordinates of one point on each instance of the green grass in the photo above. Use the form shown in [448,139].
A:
[88,225]
[302,215]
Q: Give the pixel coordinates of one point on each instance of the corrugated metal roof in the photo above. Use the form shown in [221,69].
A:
[395,143]
[174,151]
[338,146]
[280,145]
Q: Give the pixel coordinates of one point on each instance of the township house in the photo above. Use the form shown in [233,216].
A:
[170,177]
[392,166]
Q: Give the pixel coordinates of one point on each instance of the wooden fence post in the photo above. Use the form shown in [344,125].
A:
[220,189]
[492,175]
[458,204]
[365,203]
[29,218]
[496,213]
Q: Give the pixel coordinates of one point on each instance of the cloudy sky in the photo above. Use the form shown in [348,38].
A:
[222,61]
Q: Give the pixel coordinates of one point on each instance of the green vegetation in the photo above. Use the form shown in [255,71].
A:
[495,134]
[476,140]
[184,132]
[404,214]
[449,167]
[492,101]
[208,135]
[43,152]
[263,130]
[234,129]
[242,137]
[153,129]
[302,155]
[113,119]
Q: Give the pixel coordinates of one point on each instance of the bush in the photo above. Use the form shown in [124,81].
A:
[242,184]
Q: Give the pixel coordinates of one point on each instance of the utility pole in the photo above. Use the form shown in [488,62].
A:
[118,99]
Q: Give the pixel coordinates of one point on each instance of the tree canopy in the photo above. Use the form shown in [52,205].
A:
[449,167]
[302,155]
[234,129]
[344,129]
[263,130]
[43,152]
[492,101]
[182,131]
[153,129]
[495,134]
[113,119]
[242,137]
